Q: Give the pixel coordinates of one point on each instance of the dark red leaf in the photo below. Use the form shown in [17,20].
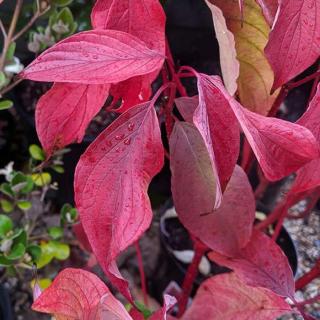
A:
[76,294]
[261,264]
[194,185]
[269,9]
[111,182]
[81,237]
[64,112]
[226,297]
[294,42]
[94,57]
[226,229]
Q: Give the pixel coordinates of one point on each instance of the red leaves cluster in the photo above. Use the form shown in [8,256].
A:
[122,56]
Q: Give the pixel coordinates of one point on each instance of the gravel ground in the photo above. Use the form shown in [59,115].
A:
[306,236]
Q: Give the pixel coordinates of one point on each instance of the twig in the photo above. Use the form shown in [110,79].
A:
[3,30]
[142,274]
[37,15]
[199,250]
[11,31]
[10,86]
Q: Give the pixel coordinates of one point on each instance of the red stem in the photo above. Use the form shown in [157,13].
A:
[247,157]
[142,274]
[309,276]
[308,301]
[262,186]
[277,103]
[292,85]
[192,272]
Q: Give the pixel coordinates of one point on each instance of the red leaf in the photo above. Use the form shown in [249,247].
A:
[64,112]
[261,264]
[281,147]
[217,125]
[294,42]
[226,297]
[226,229]
[132,91]
[76,294]
[94,57]
[161,314]
[269,9]
[111,182]
[144,19]
[308,177]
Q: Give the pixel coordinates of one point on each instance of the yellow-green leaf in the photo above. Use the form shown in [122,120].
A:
[256,76]
[41,179]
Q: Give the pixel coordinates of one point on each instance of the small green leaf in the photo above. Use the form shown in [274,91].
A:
[61,3]
[6,189]
[68,214]
[4,262]
[21,183]
[58,169]
[143,309]
[43,283]
[3,79]
[24,205]
[55,232]
[5,104]
[16,252]
[34,251]
[6,205]
[6,225]
[19,236]
[11,51]
[50,250]
[37,153]
[41,179]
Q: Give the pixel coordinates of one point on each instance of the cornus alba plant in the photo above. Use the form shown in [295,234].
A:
[264,45]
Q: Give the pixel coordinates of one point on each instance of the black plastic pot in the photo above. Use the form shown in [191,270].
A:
[5,306]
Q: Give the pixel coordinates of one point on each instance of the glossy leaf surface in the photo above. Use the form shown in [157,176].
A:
[226,297]
[65,111]
[76,294]
[94,57]
[261,264]
[111,184]
[294,42]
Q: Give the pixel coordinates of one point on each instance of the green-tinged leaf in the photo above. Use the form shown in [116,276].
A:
[34,251]
[36,152]
[16,252]
[43,283]
[251,36]
[55,232]
[24,205]
[5,104]
[19,236]
[65,15]
[6,225]
[11,51]
[6,189]
[4,262]
[41,179]
[3,79]
[58,169]
[68,214]
[61,3]
[143,309]
[21,183]
[6,205]
[50,250]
